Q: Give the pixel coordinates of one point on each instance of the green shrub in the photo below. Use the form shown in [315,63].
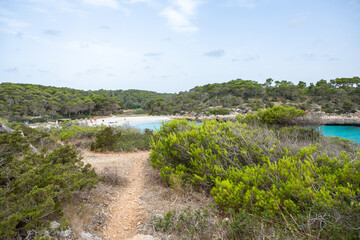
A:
[289,176]
[69,131]
[220,111]
[295,186]
[33,187]
[105,140]
[139,111]
[121,140]
[280,115]
[132,139]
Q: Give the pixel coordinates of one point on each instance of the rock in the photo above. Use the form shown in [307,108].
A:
[142,237]
[89,236]
[65,233]
[54,225]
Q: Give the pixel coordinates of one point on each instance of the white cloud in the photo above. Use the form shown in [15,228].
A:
[104,3]
[180,13]
[187,6]
[243,3]
[13,23]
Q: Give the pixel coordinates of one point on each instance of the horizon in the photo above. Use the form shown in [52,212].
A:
[169,46]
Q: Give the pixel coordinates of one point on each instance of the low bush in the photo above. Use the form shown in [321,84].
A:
[70,131]
[295,178]
[276,115]
[33,187]
[105,140]
[220,111]
[121,140]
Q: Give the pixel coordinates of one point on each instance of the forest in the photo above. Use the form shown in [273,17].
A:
[341,95]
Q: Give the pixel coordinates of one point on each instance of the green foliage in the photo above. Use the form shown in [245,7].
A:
[340,95]
[32,187]
[280,115]
[220,111]
[289,176]
[105,140]
[139,111]
[40,139]
[17,100]
[295,186]
[121,139]
[132,140]
[70,131]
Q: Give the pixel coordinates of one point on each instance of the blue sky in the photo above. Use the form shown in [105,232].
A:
[175,45]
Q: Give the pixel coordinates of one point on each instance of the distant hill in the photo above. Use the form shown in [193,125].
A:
[34,100]
[341,95]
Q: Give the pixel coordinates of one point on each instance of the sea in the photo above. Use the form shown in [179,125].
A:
[341,131]
[348,132]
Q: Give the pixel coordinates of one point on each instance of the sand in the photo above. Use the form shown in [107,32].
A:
[128,120]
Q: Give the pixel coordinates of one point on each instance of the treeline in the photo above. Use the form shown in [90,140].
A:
[36,100]
[341,95]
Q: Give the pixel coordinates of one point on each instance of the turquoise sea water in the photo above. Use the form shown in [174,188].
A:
[348,132]
[147,125]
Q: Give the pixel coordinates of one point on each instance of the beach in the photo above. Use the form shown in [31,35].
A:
[126,120]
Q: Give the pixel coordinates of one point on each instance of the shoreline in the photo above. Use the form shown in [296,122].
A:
[128,120]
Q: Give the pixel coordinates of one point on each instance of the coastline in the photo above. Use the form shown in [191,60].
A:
[126,120]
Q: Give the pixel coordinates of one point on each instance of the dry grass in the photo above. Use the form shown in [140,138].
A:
[159,199]
[112,176]
[87,210]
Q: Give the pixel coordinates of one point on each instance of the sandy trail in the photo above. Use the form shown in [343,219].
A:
[127,211]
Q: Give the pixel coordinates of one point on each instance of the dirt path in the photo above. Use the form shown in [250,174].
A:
[126,212]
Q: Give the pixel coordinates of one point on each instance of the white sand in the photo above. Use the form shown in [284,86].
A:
[111,121]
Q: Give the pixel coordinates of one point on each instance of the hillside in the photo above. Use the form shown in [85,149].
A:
[341,95]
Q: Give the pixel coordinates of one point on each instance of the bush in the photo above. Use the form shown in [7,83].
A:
[293,177]
[105,140]
[33,187]
[220,111]
[280,115]
[121,139]
[69,131]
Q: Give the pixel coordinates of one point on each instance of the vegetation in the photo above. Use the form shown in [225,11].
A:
[34,186]
[120,139]
[19,100]
[341,95]
[296,182]
[277,115]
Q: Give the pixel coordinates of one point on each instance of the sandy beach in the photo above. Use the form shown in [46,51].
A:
[128,120]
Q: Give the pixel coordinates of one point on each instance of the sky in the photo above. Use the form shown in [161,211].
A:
[175,45]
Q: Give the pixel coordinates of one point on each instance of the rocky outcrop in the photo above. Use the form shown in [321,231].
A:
[323,119]
[341,121]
